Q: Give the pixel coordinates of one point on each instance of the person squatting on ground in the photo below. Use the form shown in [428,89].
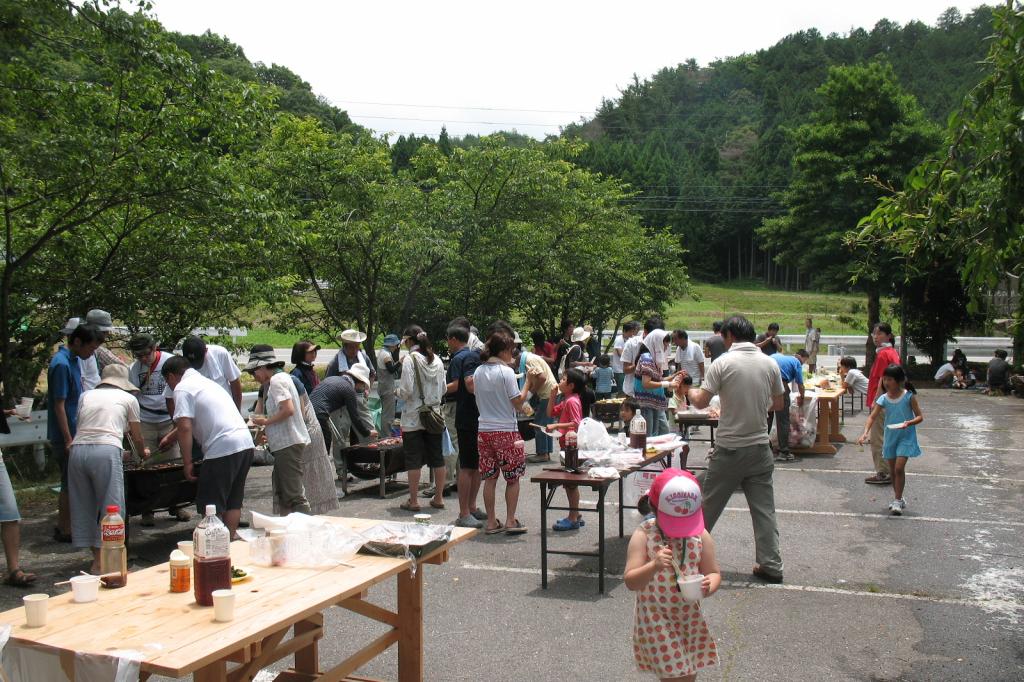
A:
[902,414]
[670,637]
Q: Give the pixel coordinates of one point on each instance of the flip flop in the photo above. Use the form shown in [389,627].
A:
[497,529]
[517,529]
[411,508]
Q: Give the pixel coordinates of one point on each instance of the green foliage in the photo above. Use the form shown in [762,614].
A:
[865,127]
[117,174]
[707,148]
[966,203]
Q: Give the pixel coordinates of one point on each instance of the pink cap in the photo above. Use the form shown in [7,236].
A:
[675,495]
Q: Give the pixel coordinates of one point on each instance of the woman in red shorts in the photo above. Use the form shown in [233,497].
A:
[500,445]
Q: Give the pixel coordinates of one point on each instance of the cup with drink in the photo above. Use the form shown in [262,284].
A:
[692,587]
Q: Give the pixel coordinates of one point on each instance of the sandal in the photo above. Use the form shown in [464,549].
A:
[437,505]
[20,578]
[568,524]
[517,529]
[497,529]
[411,507]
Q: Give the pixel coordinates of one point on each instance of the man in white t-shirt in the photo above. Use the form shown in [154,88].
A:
[287,436]
[631,352]
[157,424]
[689,356]
[629,330]
[203,410]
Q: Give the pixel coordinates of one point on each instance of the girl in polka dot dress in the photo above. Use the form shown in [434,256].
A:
[670,637]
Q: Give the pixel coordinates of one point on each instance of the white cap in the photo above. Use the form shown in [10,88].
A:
[211,510]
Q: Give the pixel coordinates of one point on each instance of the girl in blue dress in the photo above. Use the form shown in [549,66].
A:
[902,414]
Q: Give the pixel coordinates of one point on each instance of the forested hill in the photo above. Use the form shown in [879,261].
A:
[708,150]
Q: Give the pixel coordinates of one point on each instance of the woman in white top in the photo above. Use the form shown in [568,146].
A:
[420,388]
[96,464]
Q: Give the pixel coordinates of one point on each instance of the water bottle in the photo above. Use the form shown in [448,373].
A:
[211,557]
[113,553]
[638,432]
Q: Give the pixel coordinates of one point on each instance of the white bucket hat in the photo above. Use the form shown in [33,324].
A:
[580,334]
[352,336]
[117,376]
[359,372]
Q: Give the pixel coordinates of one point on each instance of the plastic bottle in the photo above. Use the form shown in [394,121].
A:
[211,557]
[180,577]
[572,453]
[638,432]
[113,553]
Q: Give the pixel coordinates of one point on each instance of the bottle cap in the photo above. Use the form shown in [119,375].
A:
[177,557]
[113,509]
[211,509]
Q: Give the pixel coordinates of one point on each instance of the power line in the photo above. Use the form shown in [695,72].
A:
[440,106]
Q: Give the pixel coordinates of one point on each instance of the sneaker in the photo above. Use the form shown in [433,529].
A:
[538,459]
[339,492]
[896,508]
[469,521]
[147,520]
[878,479]
[479,514]
[786,457]
[903,504]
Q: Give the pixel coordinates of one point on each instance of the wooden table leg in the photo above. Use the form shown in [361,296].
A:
[410,626]
[543,536]
[834,434]
[307,659]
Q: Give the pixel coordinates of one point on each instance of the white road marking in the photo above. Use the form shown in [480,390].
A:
[980,477]
[895,519]
[981,602]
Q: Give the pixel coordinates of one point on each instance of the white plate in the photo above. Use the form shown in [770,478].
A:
[896,426]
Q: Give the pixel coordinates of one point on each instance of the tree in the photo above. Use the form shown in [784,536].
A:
[866,126]
[968,201]
[117,180]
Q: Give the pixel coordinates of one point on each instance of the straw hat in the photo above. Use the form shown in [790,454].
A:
[117,376]
[359,372]
[580,334]
[352,336]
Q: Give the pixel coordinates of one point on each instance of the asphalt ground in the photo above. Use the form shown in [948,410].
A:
[937,594]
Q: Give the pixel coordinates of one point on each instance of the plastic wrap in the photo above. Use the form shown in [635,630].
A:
[307,541]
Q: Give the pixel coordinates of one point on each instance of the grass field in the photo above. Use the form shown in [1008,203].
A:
[833,313]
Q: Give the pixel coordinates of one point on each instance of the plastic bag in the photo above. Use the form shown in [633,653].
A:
[592,435]
[308,541]
[406,540]
[29,664]
[803,423]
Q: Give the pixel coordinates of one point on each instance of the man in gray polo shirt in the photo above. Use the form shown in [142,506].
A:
[749,385]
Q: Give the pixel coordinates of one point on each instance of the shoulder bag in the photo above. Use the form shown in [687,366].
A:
[430,416]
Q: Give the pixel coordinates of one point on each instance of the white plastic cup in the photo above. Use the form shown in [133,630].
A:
[186,546]
[692,587]
[84,588]
[223,606]
[35,609]
[422,518]
[24,408]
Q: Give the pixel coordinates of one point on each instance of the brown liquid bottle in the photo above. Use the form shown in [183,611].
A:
[211,557]
[113,553]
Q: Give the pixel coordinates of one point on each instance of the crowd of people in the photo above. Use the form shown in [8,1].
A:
[467,421]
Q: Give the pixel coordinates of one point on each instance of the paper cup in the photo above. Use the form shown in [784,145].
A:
[223,605]
[22,410]
[84,588]
[186,547]
[35,609]
[422,518]
[692,588]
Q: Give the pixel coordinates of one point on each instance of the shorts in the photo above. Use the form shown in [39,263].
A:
[469,452]
[8,504]
[422,448]
[222,481]
[499,451]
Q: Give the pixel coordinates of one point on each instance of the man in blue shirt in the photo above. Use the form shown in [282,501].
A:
[64,387]
[792,372]
[464,361]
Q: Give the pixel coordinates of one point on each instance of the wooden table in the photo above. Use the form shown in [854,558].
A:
[552,479]
[177,637]
[828,424]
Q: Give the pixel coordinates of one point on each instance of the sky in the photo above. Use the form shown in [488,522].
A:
[403,67]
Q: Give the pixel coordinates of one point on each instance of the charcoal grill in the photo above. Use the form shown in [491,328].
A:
[157,488]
